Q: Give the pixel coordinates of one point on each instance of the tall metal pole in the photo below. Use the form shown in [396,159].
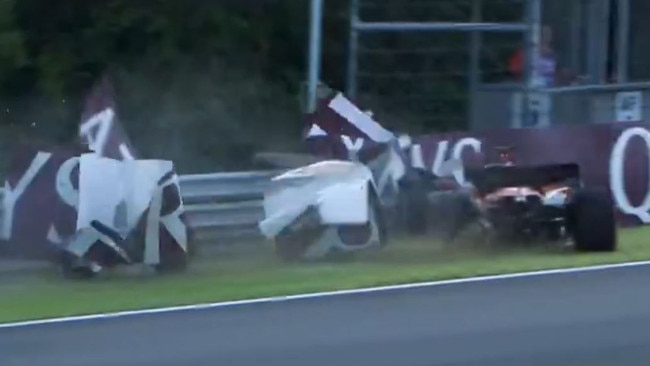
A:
[577,45]
[598,26]
[474,64]
[353,44]
[532,52]
[315,45]
[623,40]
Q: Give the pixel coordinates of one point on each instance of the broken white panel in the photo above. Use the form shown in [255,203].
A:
[140,181]
[101,189]
[360,119]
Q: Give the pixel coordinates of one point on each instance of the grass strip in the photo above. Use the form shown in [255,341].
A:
[238,277]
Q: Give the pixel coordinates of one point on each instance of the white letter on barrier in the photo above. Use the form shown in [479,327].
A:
[103,121]
[64,187]
[457,153]
[439,157]
[66,191]
[352,147]
[617,174]
[11,196]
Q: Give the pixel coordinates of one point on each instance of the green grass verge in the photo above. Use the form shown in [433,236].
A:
[231,277]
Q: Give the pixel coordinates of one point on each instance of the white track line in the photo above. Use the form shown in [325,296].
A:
[320,295]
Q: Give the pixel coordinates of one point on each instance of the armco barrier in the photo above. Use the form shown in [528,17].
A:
[223,187]
[222,206]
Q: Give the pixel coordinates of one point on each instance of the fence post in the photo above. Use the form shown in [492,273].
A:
[353,44]
[474,71]
[315,46]
[623,40]
[598,26]
[533,21]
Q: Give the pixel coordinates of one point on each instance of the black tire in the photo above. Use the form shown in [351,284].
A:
[290,246]
[70,269]
[591,222]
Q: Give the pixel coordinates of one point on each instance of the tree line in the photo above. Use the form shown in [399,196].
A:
[198,67]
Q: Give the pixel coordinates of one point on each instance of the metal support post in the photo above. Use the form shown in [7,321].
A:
[532,52]
[315,45]
[598,12]
[474,63]
[623,41]
[353,45]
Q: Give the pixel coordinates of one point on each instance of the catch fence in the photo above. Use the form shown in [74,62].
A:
[432,65]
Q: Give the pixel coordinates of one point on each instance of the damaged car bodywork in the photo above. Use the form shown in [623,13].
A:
[340,130]
[323,209]
[354,190]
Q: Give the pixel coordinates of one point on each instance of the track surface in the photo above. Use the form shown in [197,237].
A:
[595,319]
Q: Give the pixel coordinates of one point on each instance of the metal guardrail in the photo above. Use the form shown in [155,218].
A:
[223,206]
[237,186]
[224,215]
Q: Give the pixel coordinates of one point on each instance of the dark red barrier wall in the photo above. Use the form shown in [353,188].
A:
[40,208]
[612,156]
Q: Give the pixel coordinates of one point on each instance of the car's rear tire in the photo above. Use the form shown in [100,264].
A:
[591,222]
[291,243]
